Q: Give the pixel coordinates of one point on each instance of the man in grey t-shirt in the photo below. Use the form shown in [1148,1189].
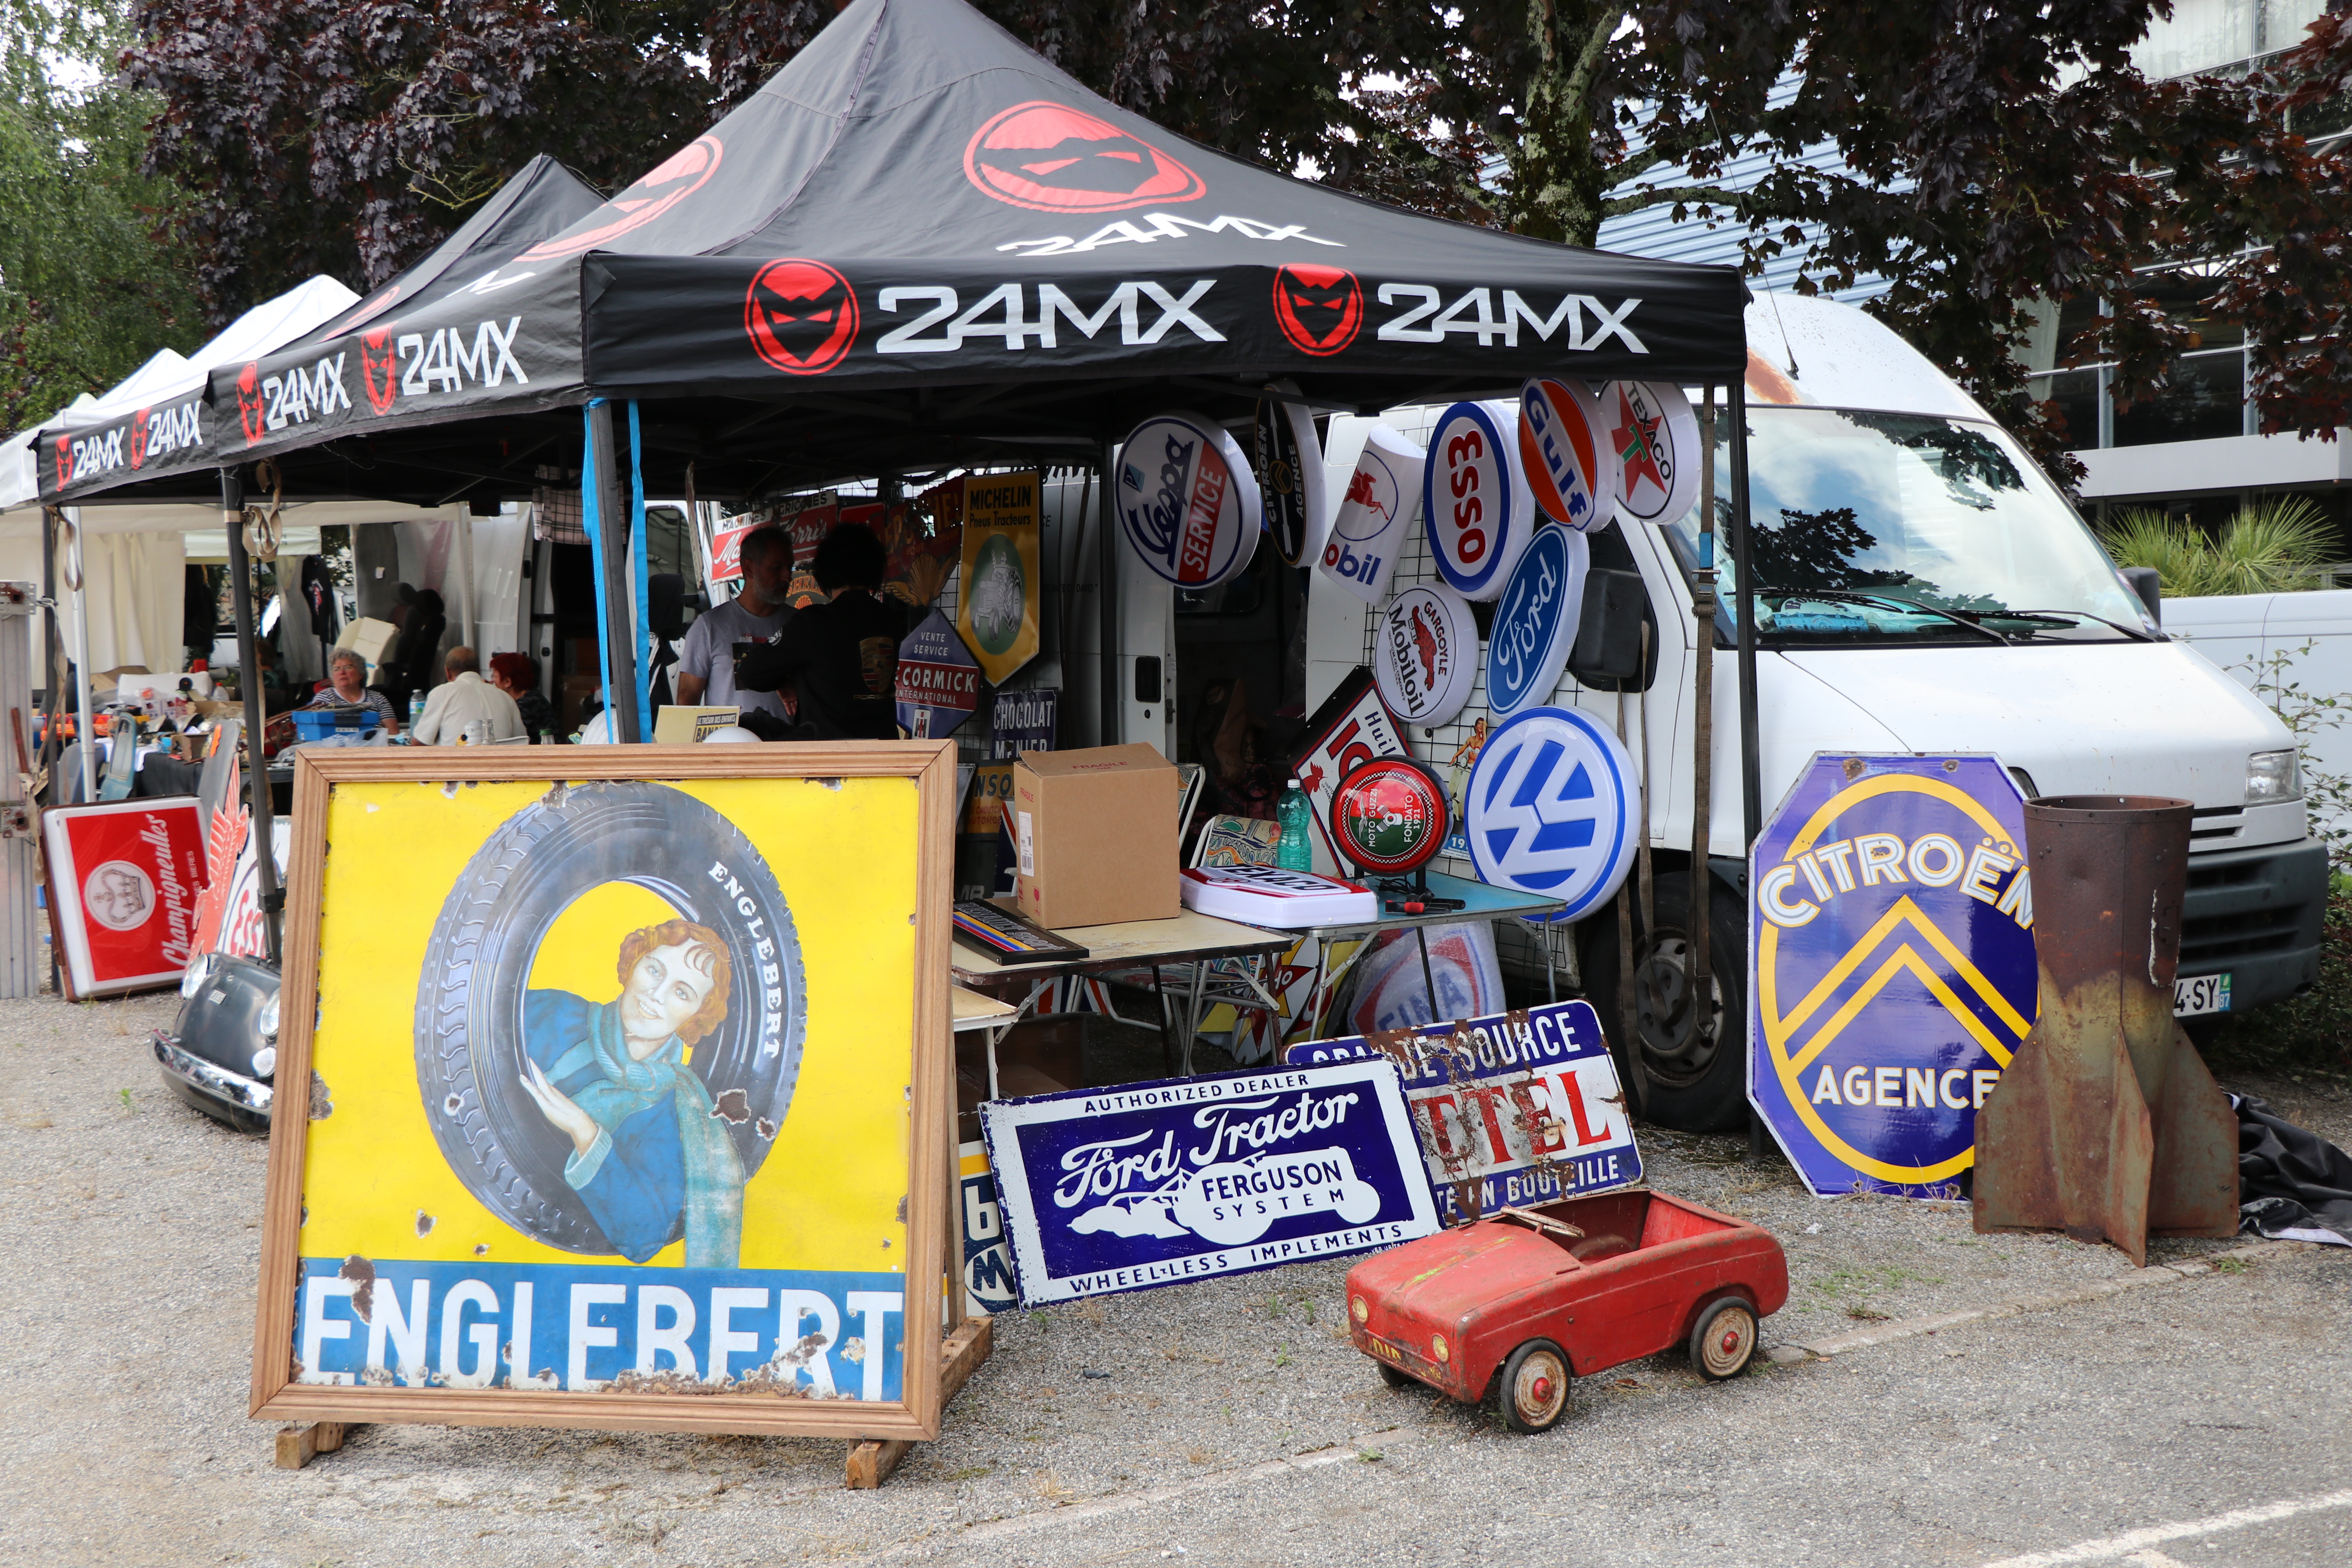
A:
[706,667]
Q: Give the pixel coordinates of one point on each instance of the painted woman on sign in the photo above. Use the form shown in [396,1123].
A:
[647,1147]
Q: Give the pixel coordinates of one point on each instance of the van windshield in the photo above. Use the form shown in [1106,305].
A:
[1901,528]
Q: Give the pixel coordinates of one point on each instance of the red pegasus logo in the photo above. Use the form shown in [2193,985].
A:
[1364,492]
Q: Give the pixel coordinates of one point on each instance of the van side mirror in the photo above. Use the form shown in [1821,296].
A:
[1606,656]
[2150,585]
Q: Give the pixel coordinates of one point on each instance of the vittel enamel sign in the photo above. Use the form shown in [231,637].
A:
[1187,500]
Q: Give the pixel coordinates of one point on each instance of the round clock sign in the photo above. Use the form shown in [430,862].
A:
[1391,815]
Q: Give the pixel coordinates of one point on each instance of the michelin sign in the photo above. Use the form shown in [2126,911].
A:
[1891,935]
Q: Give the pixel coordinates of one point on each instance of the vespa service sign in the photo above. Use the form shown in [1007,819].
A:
[1157,1183]
[1892,966]
[1187,500]
[1512,1109]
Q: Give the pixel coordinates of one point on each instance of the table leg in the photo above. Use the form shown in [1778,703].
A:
[1420,934]
[1160,997]
[1193,1012]
[1551,984]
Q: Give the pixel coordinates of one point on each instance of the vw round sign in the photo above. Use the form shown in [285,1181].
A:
[1425,655]
[1475,505]
[1187,500]
[1551,809]
[1535,625]
[1561,452]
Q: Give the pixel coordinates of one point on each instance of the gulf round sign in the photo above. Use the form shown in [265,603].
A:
[1535,624]
[1425,655]
[1561,454]
[1359,554]
[1892,975]
[1186,499]
[1549,809]
[1475,505]
[1391,815]
[1650,442]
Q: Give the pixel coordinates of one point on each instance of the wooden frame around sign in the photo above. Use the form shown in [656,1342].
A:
[275,1393]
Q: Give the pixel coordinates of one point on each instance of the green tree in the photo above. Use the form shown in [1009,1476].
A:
[90,283]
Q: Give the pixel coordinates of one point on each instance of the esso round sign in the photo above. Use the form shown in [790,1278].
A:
[1474,502]
[1549,809]
[1652,438]
[1187,500]
[1390,816]
[1425,655]
[1562,454]
[1535,624]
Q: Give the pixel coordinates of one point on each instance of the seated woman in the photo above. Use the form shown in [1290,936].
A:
[347,675]
[648,1149]
[516,675]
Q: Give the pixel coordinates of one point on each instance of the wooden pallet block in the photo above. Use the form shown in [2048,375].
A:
[961,1353]
[297,1445]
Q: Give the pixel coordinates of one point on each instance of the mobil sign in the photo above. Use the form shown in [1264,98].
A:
[1891,943]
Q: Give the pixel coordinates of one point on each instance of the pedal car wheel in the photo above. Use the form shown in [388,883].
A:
[1534,1391]
[1396,1377]
[1724,1340]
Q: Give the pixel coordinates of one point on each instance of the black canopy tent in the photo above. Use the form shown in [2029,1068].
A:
[921,244]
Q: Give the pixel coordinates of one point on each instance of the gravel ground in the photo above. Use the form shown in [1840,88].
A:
[131,1244]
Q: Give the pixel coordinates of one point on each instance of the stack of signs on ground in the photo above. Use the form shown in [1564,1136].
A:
[938,680]
[987,1263]
[124,882]
[1160,1183]
[1510,1109]
[1892,967]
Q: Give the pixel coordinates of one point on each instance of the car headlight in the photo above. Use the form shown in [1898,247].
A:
[2271,775]
[265,1061]
[269,1019]
[1361,1311]
[199,969]
[1437,1347]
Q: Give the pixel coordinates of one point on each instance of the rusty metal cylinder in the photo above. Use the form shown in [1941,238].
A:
[2110,873]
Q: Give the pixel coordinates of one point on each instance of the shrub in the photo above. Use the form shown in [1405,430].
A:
[2275,545]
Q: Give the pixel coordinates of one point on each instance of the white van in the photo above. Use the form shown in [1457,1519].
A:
[1876,484]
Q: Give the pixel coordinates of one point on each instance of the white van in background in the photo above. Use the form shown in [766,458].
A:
[1876,484]
[2270,642]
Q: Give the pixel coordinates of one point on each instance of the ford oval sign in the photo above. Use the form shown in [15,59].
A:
[1474,502]
[1187,500]
[1425,654]
[1551,809]
[1560,450]
[1535,625]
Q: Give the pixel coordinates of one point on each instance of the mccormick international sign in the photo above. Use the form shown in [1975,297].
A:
[1892,935]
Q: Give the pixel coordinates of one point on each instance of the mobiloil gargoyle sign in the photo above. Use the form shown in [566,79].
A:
[1893,973]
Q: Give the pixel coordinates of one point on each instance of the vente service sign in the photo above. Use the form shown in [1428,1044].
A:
[1512,1109]
[1160,1183]
[1891,935]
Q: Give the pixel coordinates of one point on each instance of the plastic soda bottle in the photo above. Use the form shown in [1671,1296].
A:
[1293,852]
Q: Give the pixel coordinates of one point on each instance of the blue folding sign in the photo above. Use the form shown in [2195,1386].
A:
[1105,1190]
[1891,966]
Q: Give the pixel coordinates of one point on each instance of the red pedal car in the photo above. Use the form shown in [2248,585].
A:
[1524,1301]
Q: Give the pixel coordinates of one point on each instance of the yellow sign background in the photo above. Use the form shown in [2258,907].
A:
[830,1195]
[1003,506]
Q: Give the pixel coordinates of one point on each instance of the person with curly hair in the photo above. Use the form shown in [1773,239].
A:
[649,1157]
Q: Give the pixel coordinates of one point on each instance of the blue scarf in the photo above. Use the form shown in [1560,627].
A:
[714,1174]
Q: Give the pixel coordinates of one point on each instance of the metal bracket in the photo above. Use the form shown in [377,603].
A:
[17,822]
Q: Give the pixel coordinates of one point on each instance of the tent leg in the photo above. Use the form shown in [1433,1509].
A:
[613,523]
[256,712]
[85,725]
[1106,604]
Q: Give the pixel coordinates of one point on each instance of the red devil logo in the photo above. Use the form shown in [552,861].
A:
[1318,309]
[65,461]
[1052,158]
[138,438]
[248,404]
[801,316]
[379,367]
[677,177]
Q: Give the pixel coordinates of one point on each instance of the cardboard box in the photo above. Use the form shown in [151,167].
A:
[370,638]
[1094,833]
[677,726]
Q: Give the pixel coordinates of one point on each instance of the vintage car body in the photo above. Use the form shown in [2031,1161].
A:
[221,1054]
[1569,1289]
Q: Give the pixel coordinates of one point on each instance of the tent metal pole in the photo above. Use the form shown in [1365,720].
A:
[1106,600]
[256,712]
[85,725]
[622,723]
[52,649]
[1752,777]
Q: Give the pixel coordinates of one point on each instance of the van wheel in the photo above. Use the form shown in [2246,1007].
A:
[1724,1340]
[1695,1059]
[1532,1395]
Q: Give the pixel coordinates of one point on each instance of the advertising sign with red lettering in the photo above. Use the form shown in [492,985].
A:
[1511,1109]
[1377,504]
[1351,728]
[1475,504]
[124,879]
[1187,500]
[938,680]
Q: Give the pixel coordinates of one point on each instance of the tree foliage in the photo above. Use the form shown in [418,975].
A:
[88,288]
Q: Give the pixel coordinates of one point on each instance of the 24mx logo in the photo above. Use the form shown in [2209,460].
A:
[1474,314]
[444,361]
[1004,314]
[295,395]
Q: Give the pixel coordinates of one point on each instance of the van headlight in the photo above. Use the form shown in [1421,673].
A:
[199,969]
[265,1061]
[2271,777]
[267,1022]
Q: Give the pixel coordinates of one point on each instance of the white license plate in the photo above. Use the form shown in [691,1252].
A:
[2201,994]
